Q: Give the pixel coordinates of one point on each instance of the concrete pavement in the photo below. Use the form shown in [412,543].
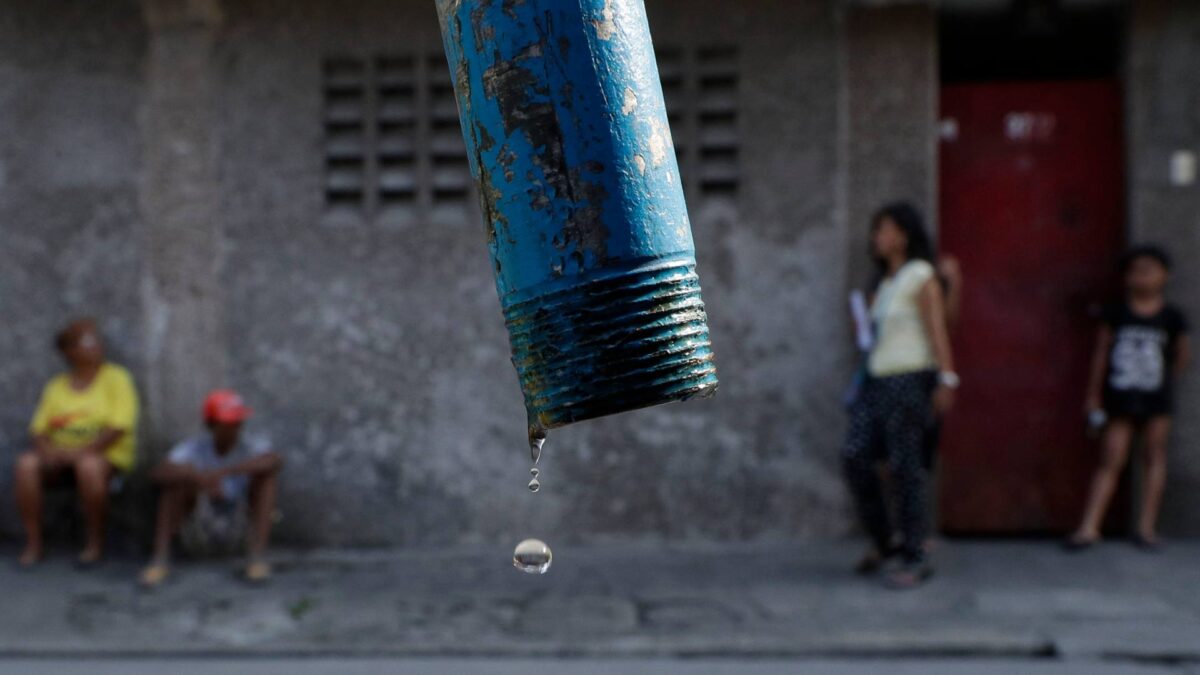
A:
[455,666]
[1025,600]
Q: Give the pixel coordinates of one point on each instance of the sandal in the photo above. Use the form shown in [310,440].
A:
[154,575]
[909,575]
[1078,543]
[30,559]
[89,560]
[874,560]
[257,572]
[1148,544]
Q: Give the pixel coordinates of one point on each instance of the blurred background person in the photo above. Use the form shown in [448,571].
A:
[1142,345]
[908,378]
[214,478]
[84,430]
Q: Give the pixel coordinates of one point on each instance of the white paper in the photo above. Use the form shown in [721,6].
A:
[863,335]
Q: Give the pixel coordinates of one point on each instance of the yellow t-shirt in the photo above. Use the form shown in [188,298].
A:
[902,343]
[72,419]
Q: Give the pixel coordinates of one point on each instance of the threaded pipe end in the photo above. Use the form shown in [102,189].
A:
[629,340]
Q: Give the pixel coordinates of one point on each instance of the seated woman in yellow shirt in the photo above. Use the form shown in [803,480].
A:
[84,428]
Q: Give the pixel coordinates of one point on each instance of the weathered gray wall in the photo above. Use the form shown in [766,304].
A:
[892,111]
[375,353]
[70,90]
[1164,116]
[378,357]
[182,293]
[163,170]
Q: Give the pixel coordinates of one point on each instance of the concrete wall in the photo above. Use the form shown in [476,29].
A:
[70,91]
[1163,104]
[377,353]
[166,174]
[182,293]
[892,110]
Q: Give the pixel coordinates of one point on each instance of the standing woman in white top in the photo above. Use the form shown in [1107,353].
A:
[909,378]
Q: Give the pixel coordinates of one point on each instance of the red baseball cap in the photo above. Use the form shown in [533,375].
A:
[225,406]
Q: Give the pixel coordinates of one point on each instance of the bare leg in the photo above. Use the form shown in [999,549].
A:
[1104,482]
[1154,458]
[174,504]
[263,489]
[92,473]
[28,485]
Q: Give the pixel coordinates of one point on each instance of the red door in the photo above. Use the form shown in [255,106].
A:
[1032,203]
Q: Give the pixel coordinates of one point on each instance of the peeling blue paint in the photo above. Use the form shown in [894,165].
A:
[567,136]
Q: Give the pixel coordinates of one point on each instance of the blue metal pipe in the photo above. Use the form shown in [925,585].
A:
[567,137]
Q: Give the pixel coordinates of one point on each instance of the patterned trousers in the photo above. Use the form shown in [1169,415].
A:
[889,421]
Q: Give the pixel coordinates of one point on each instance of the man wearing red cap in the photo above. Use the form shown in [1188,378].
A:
[221,469]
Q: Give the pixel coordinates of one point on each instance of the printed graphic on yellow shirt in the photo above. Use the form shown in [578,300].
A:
[63,421]
[71,419]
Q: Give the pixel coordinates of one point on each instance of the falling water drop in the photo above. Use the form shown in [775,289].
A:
[537,438]
[532,556]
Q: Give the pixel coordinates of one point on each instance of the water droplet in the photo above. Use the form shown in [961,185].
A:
[535,472]
[532,556]
[535,485]
[535,446]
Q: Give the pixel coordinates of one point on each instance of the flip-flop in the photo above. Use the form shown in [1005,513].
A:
[257,572]
[1079,544]
[1147,544]
[874,560]
[84,564]
[26,565]
[154,575]
[909,576]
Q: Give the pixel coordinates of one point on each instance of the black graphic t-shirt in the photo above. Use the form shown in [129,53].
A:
[1138,381]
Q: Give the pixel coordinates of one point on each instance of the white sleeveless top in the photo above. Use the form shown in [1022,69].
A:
[902,344]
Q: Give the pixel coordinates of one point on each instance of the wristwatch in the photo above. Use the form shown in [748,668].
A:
[949,379]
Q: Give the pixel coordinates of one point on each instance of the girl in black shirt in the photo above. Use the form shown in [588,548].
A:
[1142,345]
